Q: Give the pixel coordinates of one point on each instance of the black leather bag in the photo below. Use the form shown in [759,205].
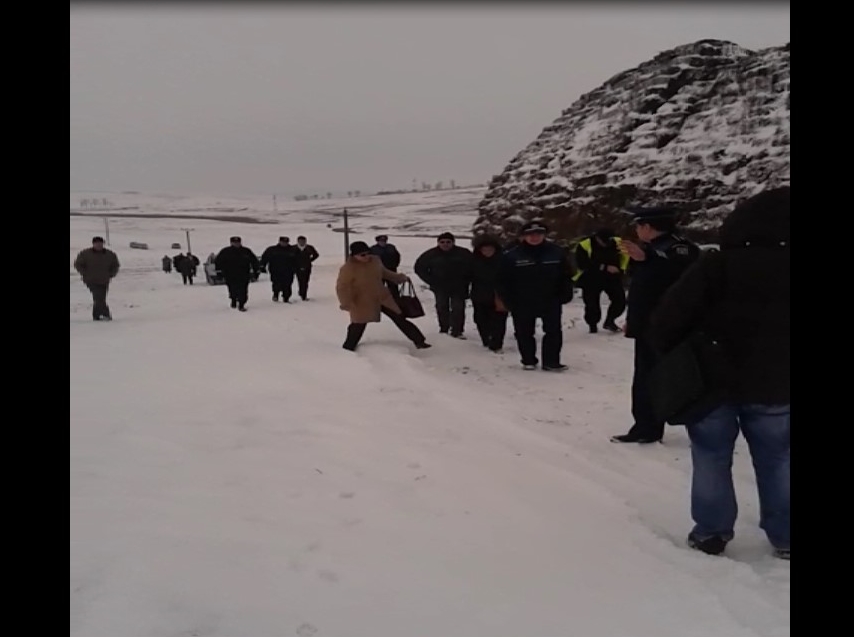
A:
[408,302]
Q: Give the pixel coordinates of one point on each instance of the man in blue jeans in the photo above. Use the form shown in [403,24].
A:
[740,296]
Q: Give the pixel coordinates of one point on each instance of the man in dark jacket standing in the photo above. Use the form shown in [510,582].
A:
[97,266]
[390,258]
[238,265]
[447,269]
[306,255]
[656,264]
[534,282]
[601,266]
[280,260]
[741,297]
[490,315]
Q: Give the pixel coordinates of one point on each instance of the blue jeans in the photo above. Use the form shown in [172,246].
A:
[713,506]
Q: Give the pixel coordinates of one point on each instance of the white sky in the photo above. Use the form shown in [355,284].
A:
[257,99]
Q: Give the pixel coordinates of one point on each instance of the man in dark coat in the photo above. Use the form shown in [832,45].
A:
[447,269]
[280,260]
[656,263]
[534,282]
[238,265]
[167,264]
[601,266]
[490,315]
[187,267]
[97,266]
[741,297]
[390,258]
[306,255]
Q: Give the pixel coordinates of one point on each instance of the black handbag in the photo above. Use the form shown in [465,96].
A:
[687,383]
[408,302]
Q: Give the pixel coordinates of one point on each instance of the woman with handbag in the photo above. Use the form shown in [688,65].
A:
[362,293]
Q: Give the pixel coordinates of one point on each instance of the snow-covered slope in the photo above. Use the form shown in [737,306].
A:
[699,126]
[241,475]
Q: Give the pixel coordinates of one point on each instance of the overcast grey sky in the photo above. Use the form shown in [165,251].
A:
[261,99]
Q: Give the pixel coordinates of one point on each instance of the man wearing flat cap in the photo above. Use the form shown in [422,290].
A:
[280,260]
[238,265]
[656,262]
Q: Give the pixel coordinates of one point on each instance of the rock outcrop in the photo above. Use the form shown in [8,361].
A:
[701,127]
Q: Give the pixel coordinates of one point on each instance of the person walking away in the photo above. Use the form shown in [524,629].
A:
[656,263]
[361,292]
[306,255]
[280,260]
[188,267]
[490,315]
[238,265]
[447,270]
[166,264]
[390,258]
[534,282]
[601,267]
[741,297]
[98,266]
[176,261]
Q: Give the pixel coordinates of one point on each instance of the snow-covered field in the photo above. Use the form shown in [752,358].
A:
[241,475]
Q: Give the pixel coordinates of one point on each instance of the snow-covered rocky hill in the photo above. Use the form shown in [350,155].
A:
[700,126]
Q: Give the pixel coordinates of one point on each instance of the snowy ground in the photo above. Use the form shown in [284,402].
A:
[240,475]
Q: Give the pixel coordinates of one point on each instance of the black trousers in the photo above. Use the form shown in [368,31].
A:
[303,277]
[283,283]
[491,324]
[99,299]
[525,324]
[238,290]
[451,312]
[355,331]
[187,278]
[646,424]
[591,293]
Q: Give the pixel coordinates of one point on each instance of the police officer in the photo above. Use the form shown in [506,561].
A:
[657,261]
[390,257]
[534,282]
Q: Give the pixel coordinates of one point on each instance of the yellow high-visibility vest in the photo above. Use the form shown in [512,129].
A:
[585,244]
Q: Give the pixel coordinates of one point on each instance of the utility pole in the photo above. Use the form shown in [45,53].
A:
[346,235]
[275,209]
[107,230]
[187,231]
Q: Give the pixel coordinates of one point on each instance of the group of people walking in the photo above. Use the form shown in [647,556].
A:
[185,264]
[239,265]
[738,297]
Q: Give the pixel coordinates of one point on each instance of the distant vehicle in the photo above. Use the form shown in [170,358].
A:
[138,246]
[176,246]
[212,275]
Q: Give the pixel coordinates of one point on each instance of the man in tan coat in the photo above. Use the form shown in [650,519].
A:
[362,293]
[97,267]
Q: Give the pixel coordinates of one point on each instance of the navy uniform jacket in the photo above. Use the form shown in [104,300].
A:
[534,277]
[667,257]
